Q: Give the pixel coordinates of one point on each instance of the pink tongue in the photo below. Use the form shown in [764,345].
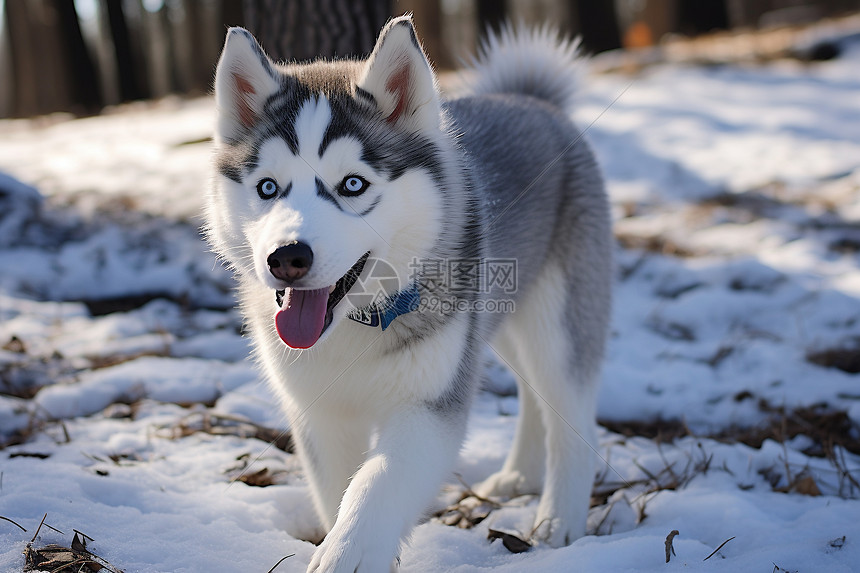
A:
[302,317]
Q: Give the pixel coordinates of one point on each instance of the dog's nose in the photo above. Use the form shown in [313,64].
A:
[291,262]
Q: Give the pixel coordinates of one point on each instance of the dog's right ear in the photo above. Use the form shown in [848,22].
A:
[244,79]
[400,78]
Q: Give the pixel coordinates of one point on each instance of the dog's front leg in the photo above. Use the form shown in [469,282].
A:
[332,447]
[415,451]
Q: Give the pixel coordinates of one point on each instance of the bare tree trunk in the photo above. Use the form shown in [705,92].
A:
[79,68]
[598,25]
[491,15]
[7,80]
[195,52]
[24,62]
[41,82]
[52,69]
[428,25]
[231,13]
[159,56]
[701,16]
[305,29]
[128,64]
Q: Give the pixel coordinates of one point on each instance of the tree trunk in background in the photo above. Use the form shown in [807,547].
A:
[702,16]
[127,64]
[746,12]
[230,13]
[51,67]
[305,29]
[23,62]
[7,81]
[427,16]
[598,25]
[197,29]
[491,15]
[48,59]
[77,63]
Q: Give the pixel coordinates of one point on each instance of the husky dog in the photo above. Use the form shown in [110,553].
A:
[325,168]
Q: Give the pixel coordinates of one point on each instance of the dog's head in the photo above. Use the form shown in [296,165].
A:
[322,167]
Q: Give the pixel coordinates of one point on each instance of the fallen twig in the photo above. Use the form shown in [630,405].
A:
[718,548]
[669,548]
[281,560]
[471,493]
[38,529]
[13,523]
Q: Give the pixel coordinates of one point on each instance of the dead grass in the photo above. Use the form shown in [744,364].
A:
[845,358]
[100,362]
[469,510]
[37,423]
[105,306]
[831,435]
[659,244]
[263,477]
[76,558]
[216,424]
[826,427]
[26,374]
[831,432]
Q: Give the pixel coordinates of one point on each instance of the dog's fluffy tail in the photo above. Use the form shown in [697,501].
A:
[535,62]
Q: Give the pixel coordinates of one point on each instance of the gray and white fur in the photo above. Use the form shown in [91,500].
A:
[499,174]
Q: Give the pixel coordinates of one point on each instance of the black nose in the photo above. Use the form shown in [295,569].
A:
[291,262]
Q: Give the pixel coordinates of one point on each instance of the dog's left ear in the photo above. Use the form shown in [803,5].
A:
[400,78]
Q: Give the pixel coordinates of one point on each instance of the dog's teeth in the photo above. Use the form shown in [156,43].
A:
[331,289]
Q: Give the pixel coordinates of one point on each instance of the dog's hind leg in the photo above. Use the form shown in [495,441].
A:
[560,332]
[523,470]
[571,442]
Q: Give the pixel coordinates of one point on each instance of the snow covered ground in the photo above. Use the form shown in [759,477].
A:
[731,399]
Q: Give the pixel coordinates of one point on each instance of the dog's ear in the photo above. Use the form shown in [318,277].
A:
[244,79]
[400,78]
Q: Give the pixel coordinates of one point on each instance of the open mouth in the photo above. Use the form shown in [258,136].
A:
[304,314]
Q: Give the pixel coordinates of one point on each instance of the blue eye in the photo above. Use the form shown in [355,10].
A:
[267,188]
[353,185]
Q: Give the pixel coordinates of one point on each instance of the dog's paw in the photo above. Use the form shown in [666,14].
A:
[557,530]
[346,554]
[507,484]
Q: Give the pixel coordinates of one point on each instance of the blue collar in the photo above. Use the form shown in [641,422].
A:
[384,313]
